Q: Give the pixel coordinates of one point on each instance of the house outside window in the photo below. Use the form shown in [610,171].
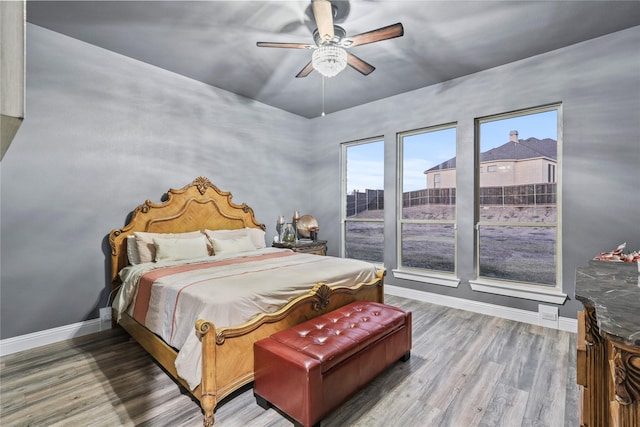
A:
[517,220]
[363,195]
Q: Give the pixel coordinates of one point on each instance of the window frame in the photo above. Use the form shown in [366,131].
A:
[442,278]
[497,286]
[344,192]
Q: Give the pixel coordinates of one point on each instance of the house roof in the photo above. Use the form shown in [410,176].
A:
[530,148]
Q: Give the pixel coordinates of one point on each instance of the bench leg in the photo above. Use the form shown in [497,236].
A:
[262,402]
[405,357]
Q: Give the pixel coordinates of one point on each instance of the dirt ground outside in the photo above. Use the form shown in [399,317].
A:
[511,252]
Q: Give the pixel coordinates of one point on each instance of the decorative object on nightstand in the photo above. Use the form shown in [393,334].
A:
[289,234]
[313,233]
[280,227]
[305,225]
[295,219]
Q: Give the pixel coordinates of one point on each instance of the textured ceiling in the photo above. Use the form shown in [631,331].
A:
[215,41]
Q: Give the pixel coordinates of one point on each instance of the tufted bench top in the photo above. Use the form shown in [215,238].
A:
[336,336]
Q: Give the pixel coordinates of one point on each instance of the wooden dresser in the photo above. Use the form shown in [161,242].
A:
[608,359]
[317,247]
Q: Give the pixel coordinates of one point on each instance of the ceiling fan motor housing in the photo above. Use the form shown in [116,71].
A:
[338,34]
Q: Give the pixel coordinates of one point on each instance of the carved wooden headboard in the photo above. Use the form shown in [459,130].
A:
[197,206]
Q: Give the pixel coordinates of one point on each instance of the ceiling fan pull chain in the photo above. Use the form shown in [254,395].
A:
[323,77]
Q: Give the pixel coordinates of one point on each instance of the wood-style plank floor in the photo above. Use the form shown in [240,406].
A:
[466,370]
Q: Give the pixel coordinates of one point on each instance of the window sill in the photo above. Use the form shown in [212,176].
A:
[531,292]
[432,278]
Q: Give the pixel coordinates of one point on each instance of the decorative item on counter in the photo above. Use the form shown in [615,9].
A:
[296,218]
[619,256]
[305,224]
[280,227]
[289,234]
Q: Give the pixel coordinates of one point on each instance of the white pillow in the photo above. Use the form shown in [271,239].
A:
[227,234]
[256,235]
[146,248]
[132,250]
[175,249]
[232,246]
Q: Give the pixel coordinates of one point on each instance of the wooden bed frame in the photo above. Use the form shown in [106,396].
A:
[227,351]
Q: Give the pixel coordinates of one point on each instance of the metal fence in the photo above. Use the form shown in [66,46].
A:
[431,196]
[368,200]
[520,195]
[511,195]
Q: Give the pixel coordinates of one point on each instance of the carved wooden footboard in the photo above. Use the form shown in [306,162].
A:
[227,353]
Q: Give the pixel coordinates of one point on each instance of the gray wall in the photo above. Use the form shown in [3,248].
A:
[103,133]
[598,83]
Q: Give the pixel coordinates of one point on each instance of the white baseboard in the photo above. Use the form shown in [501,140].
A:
[568,324]
[531,317]
[50,336]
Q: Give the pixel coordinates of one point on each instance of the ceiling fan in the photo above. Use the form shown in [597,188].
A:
[331,41]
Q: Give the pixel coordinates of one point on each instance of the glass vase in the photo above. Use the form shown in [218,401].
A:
[289,234]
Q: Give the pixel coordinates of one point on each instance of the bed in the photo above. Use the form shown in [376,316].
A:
[224,348]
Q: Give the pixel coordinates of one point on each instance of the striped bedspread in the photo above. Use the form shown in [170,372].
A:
[168,298]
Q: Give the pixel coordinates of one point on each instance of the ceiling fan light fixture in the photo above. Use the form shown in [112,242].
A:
[329,60]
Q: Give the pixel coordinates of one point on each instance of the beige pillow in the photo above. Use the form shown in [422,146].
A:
[146,248]
[176,249]
[232,246]
[132,250]
[256,235]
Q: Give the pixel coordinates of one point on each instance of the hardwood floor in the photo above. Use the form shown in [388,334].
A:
[466,369]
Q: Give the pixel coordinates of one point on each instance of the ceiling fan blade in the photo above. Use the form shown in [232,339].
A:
[324,19]
[286,45]
[305,71]
[384,33]
[359,65]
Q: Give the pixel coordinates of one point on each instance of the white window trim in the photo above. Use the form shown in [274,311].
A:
[529,290]
[422,275]
[526,291]
[343,188]
[427,277]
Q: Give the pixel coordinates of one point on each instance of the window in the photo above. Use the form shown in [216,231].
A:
[428,207]
[517,221]
[363,193]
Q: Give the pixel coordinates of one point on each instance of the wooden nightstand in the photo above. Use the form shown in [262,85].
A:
[319,247]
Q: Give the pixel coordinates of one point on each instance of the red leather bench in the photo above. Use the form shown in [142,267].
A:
[310,369]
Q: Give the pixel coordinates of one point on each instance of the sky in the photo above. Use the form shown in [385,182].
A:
[365,166]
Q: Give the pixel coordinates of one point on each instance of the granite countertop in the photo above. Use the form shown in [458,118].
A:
[613,289]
